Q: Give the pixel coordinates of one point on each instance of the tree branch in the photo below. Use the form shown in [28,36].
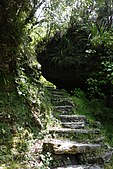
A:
[30,17]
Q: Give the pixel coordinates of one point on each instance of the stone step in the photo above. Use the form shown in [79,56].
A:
[76,125]
[80,135]
[62,102]
[81,138]
[105,157]
[65,112]
[63,108]
[52,89]
[58,92]
[72,131]
[58,99]
[57,95]
[90,166]
[72,118]
[60,147]
[61,99]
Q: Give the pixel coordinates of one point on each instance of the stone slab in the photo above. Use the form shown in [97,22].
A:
[64,107]
[69,147]
[73,131]
[103,158]
[81,167]
[72,118]
[74,125]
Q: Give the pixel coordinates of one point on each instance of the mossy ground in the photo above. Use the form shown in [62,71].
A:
[17,129]
[21,124]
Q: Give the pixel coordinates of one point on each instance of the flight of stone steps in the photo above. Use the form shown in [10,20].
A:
[74,143]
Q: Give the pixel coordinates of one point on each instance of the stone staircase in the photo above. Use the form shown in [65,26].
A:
[74,143]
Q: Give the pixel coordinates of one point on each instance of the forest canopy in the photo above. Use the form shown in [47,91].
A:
[80,54]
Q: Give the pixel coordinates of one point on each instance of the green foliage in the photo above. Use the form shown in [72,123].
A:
[102,36]
[45,82]
[95,110]
[85,44]
[26,88]
[33,90]
[46,159]
[17,129]
[108,67]
[16,18]
[78,93]
[94,87]
[23,118]
[24,115]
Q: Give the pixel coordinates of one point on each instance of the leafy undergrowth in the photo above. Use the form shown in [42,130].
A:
[17,130]
[22,122]
[96,111]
